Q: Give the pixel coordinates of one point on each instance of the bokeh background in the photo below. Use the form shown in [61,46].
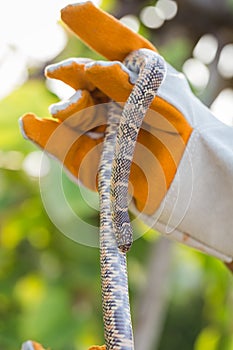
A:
[50,285]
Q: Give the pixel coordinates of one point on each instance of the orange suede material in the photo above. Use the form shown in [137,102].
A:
[84,113]
[102,32]
[112,80]
[153,168]
[96,347]
[174,116]
[230,266]
[38,130]
[78,152]
[73,74]
[37,346]
[84,102]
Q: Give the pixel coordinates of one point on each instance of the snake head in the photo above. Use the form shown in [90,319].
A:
[124,235]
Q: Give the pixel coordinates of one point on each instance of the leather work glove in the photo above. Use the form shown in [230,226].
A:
[182,176]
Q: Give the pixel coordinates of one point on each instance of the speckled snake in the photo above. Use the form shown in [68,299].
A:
[115,228]
[147,71]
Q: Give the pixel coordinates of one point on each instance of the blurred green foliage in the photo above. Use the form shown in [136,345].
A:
[50,285]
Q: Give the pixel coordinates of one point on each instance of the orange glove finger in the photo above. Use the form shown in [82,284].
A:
[78,152]
[80,111]
[32,345]
[72,72]
[102,32]
[37,130]
[76,103]
[112,78]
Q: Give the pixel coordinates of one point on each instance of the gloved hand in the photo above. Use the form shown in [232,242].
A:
[176,176]
[95,83]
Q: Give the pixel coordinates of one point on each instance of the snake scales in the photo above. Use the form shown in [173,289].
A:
[115,228]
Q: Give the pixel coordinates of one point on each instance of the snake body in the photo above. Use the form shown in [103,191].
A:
[115,229]
[114,280]
[150,68]
[113,175]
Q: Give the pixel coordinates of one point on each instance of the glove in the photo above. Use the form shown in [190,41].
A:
[186,191]
[98,82]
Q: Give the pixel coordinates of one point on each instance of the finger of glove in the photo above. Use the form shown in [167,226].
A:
[80,111]
[31,345]
[111,78]
[71,72]
[78,152]
[113,39]
[64,110]
[53,136]
[37,130]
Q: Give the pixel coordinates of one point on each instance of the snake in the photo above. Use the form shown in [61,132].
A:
[116,234]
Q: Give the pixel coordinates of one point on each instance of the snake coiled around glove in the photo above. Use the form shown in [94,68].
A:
[115,229]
